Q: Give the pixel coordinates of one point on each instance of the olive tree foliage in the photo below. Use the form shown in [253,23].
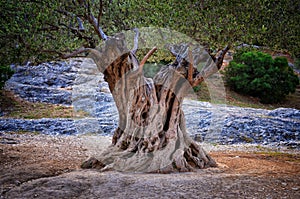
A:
[45,30]
[214,23]
[42,30]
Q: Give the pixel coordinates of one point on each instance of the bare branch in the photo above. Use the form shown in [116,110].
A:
[194,77]
[50,28]
[80,24]
[145,58]
[198,79]
[64,12]
[76,52]
[136,40]
[99,31]
[73,30]
[219,58]
[52,52]
[92,19]
[89,39]
[191,67]
[68,14]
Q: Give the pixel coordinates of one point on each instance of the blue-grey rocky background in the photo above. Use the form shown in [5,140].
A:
[78,83]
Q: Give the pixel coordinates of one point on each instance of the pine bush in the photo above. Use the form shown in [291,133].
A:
[257,74]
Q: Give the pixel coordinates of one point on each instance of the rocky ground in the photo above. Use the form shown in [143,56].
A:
[77,83]
[43,166]
[40,157]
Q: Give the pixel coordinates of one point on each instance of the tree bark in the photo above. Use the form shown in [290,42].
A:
[151,135]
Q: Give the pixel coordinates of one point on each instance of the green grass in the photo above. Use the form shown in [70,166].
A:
[235,99]
[247,139]
[14,107]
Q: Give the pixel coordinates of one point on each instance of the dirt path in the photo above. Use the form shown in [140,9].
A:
[40,166]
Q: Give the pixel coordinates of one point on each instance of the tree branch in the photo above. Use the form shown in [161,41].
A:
[183,52]
[52,51]
[191,67]
[76,52]
[145,58]
[218,60]
[80,35]
[220,57]
[136,40]
[92,19]
[80,24]
[64,12]
[97,28]
[198,79]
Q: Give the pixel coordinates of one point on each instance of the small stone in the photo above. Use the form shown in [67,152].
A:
[17,182]
[198,138]
[105,90]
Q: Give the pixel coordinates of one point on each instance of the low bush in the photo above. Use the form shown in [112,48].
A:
[258,74]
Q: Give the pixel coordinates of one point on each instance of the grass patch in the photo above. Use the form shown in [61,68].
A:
[247,139]
[236,99]
[15,107]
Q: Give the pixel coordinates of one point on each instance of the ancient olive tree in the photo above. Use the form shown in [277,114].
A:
[151,134]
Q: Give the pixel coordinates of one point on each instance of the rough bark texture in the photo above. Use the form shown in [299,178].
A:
[152,135]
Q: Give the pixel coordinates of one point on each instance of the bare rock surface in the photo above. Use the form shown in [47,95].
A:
[82,86]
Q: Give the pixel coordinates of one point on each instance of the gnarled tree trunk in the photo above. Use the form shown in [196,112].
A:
[152,135]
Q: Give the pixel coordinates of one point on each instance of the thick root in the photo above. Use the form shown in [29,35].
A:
[165,160]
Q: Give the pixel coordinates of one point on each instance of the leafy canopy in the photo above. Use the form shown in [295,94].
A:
[258,74]
[5,74]
[44,30]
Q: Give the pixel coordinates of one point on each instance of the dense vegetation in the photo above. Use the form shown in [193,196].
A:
[258,74]
[40,30]
[43,30]
[5,74]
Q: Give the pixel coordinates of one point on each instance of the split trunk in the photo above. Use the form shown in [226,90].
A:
[151,135]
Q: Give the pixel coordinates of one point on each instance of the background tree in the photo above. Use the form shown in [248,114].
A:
[26,33]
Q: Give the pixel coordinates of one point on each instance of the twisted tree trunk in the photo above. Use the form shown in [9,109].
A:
[152,135]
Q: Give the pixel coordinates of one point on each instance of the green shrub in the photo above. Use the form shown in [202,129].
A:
[197,88]
[297,63]
[5,74]
[258,74]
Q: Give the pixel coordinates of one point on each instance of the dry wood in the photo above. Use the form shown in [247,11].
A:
[152,135]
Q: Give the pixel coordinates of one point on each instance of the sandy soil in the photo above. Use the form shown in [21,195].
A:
[40,166]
